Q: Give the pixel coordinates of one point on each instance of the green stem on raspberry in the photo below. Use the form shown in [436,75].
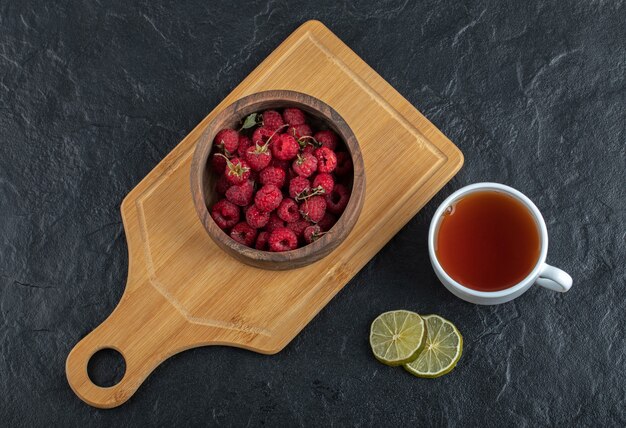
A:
[237,170]
[316,236]
[222,146]
[261,149]
[308,193]
[303,143]
[275,132]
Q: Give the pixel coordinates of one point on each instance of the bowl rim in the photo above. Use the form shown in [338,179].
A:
[333,120]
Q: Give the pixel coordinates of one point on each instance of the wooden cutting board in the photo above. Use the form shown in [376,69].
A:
[183,291]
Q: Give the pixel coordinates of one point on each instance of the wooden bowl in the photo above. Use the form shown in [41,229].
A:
[203,182]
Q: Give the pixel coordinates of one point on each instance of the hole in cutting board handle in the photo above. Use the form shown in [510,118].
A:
[106,367]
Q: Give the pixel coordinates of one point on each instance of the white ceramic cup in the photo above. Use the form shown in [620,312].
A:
[542,274]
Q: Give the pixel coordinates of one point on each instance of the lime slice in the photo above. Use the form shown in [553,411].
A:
[397,337]
[443,349]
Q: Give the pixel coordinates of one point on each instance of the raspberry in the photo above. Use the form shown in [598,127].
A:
[312,233]
[273,175]
[298,227]
[225,214]
[298,185]
[326,159]
[256,218]
[300,131]
[305,164]
[227,140]
[241,194]
[243,233]
[285,147]
[294,116]
[344,163]
[282,239]
[268,198]
[327,222]
[288,210]
[244,143]
[237,170]
[282,164]
[258,157]
[218,163]
[222,185]
[262,241]
[274,223]
[327,139]
[313,208]
[337,200]
[308,148]
[325,181]
[261,136]
[272,120]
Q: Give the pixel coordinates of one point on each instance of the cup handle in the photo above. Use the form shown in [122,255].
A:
[554,279]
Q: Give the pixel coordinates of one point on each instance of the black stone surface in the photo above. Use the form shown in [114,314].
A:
[94,94]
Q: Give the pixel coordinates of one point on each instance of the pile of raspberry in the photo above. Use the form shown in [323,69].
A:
[281,183]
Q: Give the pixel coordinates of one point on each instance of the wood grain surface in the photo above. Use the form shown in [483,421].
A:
[183,291]
[203,187]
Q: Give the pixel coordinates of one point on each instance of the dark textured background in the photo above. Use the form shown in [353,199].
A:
[94,94]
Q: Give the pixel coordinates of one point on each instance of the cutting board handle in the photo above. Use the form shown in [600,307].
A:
[144,340]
